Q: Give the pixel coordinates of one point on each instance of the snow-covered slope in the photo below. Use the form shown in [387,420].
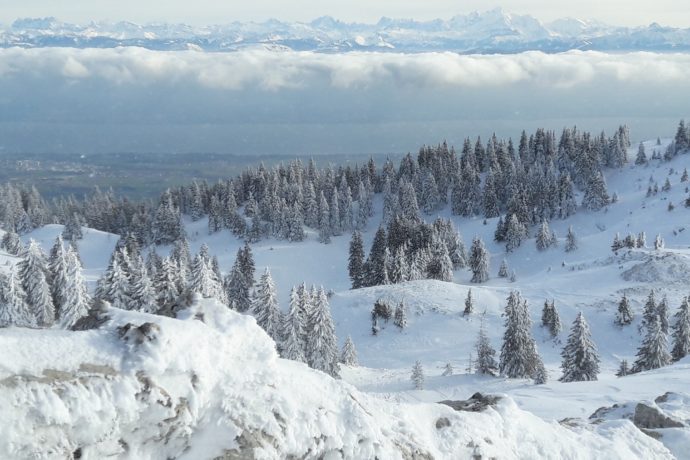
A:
[494,31]
[210,385]
[590,279]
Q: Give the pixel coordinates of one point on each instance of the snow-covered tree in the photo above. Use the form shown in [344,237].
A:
[550,318]
[519,357]
[486,361]
[76,301]
[544,239]
[515,233]
[447,370]
[624,315]
[322,344]
[265,307]
[239,282]
[165,284]
[349,353]
[662,314]
[681,332]
[400,316]
[596,196]
[417,376]
[356,261]
[469,304]
[32,272]
[142,294]
[658,242]
[623,369]
[649,313]
[580,356]
[641,158]
[12,243]
[479,261]
[503,269]
[14,311]
[653,353]
[293,330]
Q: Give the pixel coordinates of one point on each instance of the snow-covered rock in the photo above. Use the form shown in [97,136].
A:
[210,385]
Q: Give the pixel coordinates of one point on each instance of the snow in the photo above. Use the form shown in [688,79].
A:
[241,382]
[199,389]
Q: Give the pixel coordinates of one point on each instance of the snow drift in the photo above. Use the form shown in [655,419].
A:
[210,385]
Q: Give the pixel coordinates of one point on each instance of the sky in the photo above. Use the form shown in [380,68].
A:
[619,12]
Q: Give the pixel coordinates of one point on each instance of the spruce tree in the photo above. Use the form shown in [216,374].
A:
[503,269]
[486,361]
[349,353]
[417,376]
[662,313]
[165,285]
[624,315]
[649,313]
[641,158]
[551,319]
[479,261]
[681,332]
[142,294]
[265,307]
[76,302]
[400,316]
[293,330]
[570,240]
[376,263]
[356,261]
[515,233]
[239,282]
[580,356]
[14,311]
[469,304]
[12,243]
[519,357]
[325,229]
[623,369]
[322,344]
[32,271]
[596,195]
[653,353]
[543,236]
[58,270]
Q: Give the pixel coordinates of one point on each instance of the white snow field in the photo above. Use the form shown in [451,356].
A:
[214,387]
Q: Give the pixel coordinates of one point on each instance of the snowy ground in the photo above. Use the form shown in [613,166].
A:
[590,280]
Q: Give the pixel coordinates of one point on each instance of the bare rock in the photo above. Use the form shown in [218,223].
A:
[477,403]
[651,417]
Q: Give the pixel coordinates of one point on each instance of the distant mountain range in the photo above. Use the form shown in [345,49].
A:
[494,31]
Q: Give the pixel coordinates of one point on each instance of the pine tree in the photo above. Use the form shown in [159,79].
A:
[417,376]
[580,356]
[202,281]
[486,361]
[76,301]
[503,269]
[649,313]
[550,318]
[469,304]
[293,330]
[58,270]
[541,375]
[624,315]
[440,267]
[662,313]
[596,196]
[349,353]
[400,316]
[14,311]
[641,158]
[623,369]
[479,261]
[515,233]
[681,332]
[32,272]
[653,353]
[544,236]
[376,263]
[356,261]
[239,282]
[13,244]
[142,294]
[519,357]
[165,285]
[322,344]
[265,307]
[325,229]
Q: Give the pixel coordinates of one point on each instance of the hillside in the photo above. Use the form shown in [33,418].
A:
[395,418]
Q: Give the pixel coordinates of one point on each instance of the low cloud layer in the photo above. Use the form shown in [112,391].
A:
[258,101]
[274,71]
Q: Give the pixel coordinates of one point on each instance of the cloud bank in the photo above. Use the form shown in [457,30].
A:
[259,101]
[278,70]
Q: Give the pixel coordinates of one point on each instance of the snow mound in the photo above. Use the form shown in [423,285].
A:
[210,384]
[666,268]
